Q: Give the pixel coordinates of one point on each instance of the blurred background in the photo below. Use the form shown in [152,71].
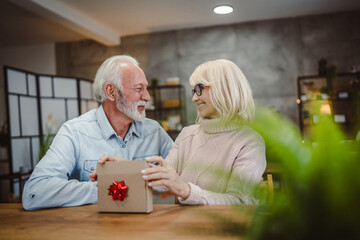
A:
[287,49]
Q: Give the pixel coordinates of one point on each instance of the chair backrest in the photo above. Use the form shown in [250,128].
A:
[269,185]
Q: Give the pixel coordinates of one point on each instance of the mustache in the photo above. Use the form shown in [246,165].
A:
[141,103]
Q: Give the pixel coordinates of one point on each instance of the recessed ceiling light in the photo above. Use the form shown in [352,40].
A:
[224,9]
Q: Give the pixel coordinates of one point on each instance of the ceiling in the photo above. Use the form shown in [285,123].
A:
[25,22]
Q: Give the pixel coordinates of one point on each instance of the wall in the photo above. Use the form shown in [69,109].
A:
[38,58]
[272,54]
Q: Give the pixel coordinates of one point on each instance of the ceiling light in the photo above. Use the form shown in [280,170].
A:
[224,9]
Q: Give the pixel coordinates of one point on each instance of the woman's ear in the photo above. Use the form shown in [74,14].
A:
[110,91]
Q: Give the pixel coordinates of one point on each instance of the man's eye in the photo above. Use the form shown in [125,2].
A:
[138,89]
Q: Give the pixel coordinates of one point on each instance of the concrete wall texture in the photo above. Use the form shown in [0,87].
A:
[35,58]
[272,54]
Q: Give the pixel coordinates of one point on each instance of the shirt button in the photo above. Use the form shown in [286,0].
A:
[92,169]
[123,146]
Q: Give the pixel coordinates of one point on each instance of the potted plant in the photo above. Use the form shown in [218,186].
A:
[46,140]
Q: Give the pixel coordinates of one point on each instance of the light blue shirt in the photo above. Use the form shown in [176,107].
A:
[61,178]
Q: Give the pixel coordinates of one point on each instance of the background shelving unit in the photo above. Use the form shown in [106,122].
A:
[167,107]
[340,98]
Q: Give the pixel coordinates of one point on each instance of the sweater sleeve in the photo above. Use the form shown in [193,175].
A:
[247,171]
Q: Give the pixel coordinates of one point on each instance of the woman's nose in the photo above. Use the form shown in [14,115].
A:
[195,97]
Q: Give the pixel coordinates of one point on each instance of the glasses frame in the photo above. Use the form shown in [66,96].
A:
[198,89]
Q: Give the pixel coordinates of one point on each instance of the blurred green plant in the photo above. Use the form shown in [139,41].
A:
[46,140]
[322,195]
[321,199]
[354,83]
[45,144]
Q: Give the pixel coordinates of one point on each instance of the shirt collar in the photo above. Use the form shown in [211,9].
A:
[135,128]
[106,128]
[104,123]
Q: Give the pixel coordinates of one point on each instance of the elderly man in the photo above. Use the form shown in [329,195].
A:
[118,127]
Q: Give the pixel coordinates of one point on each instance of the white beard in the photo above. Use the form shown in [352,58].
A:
[130,109]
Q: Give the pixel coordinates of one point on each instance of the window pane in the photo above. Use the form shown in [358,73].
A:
[20,154]
[72,108]
[35,142]
[65,87]
[16,82]
[52,114]
[29,116]
[84,106]
[32,85]
[85,89]
[14,116]
[45,86]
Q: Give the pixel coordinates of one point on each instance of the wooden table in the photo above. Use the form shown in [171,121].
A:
[167,221]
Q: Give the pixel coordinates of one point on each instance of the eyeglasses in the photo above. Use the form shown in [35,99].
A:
[198,89]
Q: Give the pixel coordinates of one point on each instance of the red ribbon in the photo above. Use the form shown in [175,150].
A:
[118,190]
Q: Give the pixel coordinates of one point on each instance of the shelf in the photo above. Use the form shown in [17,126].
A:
[327,100]
[317,124]
[169,111]
[309,88]
[165,86]
[165,109]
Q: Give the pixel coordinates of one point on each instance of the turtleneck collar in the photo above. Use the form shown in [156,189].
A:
[217,125]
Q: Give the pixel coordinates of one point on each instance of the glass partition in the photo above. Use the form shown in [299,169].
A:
[38,105]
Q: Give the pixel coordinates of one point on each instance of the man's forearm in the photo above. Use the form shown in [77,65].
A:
[55,192]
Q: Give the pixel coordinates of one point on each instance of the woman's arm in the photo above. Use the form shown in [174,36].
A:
[247,171]
[163,174]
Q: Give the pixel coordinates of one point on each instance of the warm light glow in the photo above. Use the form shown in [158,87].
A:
[298,101]
[223,9]
[325,109]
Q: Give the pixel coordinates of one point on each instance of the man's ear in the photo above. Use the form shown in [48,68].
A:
[110,91]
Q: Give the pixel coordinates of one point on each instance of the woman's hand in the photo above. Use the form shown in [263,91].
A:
[103,159]
[165,175]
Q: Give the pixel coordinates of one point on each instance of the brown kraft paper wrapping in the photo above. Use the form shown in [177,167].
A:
[138,197]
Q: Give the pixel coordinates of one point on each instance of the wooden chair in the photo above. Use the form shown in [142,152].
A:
[268,183]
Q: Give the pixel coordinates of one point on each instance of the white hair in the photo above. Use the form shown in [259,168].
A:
[230,91]
[110,72]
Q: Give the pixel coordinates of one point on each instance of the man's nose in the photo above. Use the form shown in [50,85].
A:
[145,96]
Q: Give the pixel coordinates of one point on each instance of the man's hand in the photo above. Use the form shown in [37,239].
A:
[165,175]
[103,159]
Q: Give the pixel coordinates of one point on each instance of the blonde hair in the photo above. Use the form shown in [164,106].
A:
[230,91]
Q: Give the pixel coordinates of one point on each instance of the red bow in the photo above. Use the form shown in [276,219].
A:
[118,190]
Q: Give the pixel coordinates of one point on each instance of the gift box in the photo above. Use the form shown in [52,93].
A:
[121,187]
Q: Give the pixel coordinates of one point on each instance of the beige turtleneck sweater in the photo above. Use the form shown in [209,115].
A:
[218,161]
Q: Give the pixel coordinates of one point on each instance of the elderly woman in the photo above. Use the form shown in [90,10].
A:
[220,142]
